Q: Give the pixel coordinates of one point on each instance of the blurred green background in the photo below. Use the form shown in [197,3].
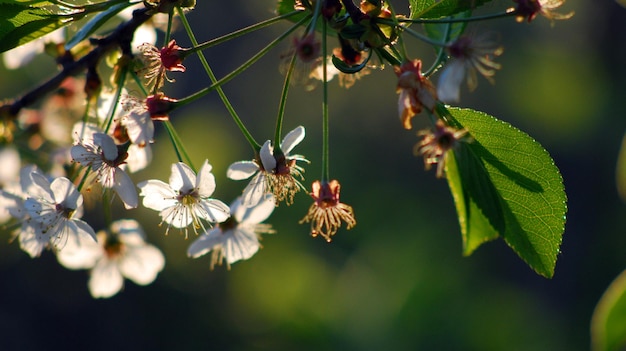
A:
[397,281]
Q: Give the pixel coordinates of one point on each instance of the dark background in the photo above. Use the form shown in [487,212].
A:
[397,281]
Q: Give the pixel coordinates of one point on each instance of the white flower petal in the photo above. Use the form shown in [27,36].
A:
[182,179]
[138,157]
[84,228]
[139,127]
[36,184]
[242,170]
[260,212]
[142,264]
[107,145]
[125,189]
[205,243]
[85,131]
[267,157]
[130,232]
[205,181]
[215,211]
[42,213]
[240,245]
[177,216]
[80,252]
[450,80]
[255,190]
[84,155]
[106,279]
[157,194]
[30,242]
[65,193]
[292,139]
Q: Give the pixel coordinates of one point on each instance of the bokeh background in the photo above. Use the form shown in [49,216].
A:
[397,281]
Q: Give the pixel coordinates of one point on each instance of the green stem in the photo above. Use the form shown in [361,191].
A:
[231,110]
[118,92]
[181,154]
[316,13]
[281,105]
[441,52]
[325,129]
[237,33]
[508,12]
[243,67]
[422,37]
[168,32]
[106,208]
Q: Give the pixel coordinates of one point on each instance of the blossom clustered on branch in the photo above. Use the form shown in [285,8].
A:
[92,135]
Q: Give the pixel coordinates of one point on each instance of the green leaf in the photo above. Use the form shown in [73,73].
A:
[444,8]
[438,31]
[95,23]
[505,184]
[21,23]
[608,324]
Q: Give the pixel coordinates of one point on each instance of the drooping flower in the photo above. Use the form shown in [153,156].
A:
[307,50]
[54,210]
[469,55]
[273,171]
[326,214]
[105,159]
[434,146]
[415,91]
[120,252]
[528,10]
[186,199]
[237,238]
[158,61]
[345,80]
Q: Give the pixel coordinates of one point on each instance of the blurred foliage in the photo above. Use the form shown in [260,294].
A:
[398,279]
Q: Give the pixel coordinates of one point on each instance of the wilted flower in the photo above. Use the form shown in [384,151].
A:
[326,213]
[186,199]
[274,171]
[435,145]
[238,237]
[158,61]
[415,91]
[106,159]
[122,252]
[528,9]
[469,55]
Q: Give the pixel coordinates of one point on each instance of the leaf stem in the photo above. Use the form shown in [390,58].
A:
[237,33]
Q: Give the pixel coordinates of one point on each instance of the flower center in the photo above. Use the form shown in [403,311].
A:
[64,211]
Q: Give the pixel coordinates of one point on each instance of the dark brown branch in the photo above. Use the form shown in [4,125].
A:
[121,37]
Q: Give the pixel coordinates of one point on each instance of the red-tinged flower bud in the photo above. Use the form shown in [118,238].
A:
[159,106]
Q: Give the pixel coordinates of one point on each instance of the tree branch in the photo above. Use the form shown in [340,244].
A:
[121,37]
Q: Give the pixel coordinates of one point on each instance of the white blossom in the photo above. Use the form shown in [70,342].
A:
[186,199]
[271,172]
[238,238]
[122,252]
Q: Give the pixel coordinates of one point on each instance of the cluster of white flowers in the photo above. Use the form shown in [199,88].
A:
[47,209]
